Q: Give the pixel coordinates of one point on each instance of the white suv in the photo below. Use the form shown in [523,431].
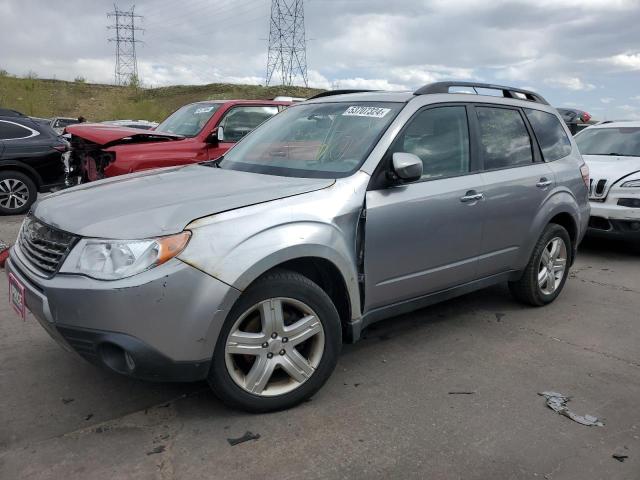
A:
[612,152]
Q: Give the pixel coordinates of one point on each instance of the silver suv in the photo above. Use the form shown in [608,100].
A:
[251,270]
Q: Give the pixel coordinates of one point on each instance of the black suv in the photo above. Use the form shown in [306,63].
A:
[30,161]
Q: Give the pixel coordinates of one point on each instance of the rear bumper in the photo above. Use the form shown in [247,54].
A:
[166,320]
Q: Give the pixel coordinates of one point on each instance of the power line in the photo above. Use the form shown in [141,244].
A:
[126,68]
[287,54]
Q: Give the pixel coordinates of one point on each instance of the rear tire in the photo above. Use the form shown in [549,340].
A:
[547,270]
[17,192]
[278,345]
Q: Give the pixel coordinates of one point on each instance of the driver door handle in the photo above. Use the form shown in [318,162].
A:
[471,196]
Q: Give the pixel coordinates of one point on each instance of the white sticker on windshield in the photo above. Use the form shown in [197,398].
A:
[374,112]
[203,110]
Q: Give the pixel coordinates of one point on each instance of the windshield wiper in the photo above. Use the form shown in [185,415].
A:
[215,163]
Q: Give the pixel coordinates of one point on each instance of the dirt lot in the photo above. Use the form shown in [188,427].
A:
[387,412]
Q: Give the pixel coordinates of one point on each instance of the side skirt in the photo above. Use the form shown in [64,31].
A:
[406,306]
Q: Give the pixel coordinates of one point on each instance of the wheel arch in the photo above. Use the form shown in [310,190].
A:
[329,278]
[560,208]
[322,264]
[11,165]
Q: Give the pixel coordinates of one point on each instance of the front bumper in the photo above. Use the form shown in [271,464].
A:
[161,325]
[612,217]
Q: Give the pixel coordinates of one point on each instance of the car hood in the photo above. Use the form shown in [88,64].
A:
[162,202]
[109,135]
[611,168]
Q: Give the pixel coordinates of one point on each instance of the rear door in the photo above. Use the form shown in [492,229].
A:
[32,144]
[516,183]
[239,121]
[425,236]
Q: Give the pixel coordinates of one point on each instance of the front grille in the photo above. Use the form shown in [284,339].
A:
[597,189]
[43,246]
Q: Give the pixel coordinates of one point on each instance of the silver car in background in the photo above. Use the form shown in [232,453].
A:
[251,270]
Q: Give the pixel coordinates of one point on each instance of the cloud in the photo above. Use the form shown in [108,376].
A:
[607,100]
[569,83]
[562,49]
[626,61]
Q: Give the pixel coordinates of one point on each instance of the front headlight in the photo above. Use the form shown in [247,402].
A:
[631,184]
[105,259]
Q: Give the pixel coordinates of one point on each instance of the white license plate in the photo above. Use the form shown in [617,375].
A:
[16,296]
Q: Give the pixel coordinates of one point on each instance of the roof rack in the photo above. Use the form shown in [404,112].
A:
[330,93]
[507,92]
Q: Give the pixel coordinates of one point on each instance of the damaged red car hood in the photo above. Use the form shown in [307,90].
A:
[111,134]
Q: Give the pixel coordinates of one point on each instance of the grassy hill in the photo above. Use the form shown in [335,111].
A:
[97,102]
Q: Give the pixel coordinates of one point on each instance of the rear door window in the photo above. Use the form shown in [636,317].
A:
[504,138]
[552,138]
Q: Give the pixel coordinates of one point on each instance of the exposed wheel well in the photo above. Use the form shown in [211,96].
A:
[22,169]
[566,220]
[327,276]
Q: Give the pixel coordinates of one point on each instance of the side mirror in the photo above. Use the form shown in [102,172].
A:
[407,167]
[216,136]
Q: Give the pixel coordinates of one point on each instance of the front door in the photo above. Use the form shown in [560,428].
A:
[425,236]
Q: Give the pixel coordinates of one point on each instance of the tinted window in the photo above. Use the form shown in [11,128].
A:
[241,120]
[504,139]
[551,136]
[623,141]
[440,137]
[10,130]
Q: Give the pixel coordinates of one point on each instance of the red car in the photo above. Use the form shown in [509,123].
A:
[194,133]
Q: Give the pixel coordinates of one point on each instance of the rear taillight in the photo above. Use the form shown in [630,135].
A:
[585,117]
[584,171]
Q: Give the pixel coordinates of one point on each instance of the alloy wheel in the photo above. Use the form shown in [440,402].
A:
[274,347]
[14,193]
[553,264]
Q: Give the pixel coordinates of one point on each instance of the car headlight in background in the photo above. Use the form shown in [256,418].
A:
[105,259]
[631,184]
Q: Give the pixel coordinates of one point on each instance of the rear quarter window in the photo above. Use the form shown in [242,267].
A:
[552,138]
[14,131]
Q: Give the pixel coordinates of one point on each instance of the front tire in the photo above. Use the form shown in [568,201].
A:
[278,345]
[547,270]
[17,192]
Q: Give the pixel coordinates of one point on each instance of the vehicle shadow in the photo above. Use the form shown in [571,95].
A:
[617,248]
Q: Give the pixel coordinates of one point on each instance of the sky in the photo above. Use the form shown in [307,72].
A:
[576,53]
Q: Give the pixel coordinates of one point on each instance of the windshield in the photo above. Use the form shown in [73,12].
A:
[188,120]
[324,140]
[64,122]
[623,141]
